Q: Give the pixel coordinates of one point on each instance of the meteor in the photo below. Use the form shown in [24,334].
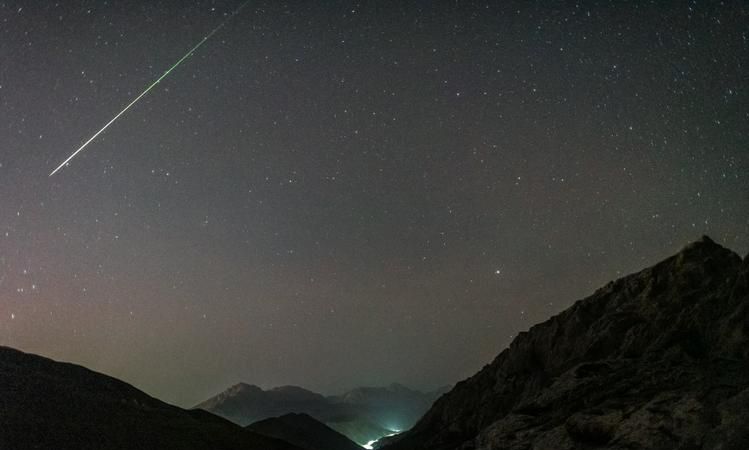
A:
[158,80]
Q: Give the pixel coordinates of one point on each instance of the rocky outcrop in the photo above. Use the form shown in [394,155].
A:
[658,359]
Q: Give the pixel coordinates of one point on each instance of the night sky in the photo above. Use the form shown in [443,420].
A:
[333,194]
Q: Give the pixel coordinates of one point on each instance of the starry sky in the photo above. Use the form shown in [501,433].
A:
[333,194]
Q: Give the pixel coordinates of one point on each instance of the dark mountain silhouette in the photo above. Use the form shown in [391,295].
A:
[303,431]
[51,405]
[656,360]
[363,414]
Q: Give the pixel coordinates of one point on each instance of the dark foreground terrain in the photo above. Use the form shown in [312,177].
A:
[656,360]
[51,405]
[303,431]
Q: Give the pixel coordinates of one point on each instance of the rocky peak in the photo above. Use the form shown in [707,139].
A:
[607,356]
[297,393]
[243,387]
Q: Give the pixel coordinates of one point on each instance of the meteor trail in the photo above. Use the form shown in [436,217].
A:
[187,55]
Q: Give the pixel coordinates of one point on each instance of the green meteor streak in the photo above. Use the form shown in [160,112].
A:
[158,80]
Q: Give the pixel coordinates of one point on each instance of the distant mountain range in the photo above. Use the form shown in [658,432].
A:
[363,414]
[656,360]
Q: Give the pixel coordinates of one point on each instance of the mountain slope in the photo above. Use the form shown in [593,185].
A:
[304,432]
[47,404]
[359,430]
[658,359]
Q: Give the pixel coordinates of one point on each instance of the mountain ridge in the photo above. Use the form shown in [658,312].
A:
[50,404]
[590,376]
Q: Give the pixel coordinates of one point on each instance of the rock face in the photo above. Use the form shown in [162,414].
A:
[656,360]
[50,405]
[303,431]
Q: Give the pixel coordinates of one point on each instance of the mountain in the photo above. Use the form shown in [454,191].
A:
[244,404]
[303,431]
[658,359]
[46,404]
[363,414]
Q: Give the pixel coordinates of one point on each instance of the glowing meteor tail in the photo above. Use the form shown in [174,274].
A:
[158,80]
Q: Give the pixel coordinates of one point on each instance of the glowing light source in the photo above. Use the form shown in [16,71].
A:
[370,445]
